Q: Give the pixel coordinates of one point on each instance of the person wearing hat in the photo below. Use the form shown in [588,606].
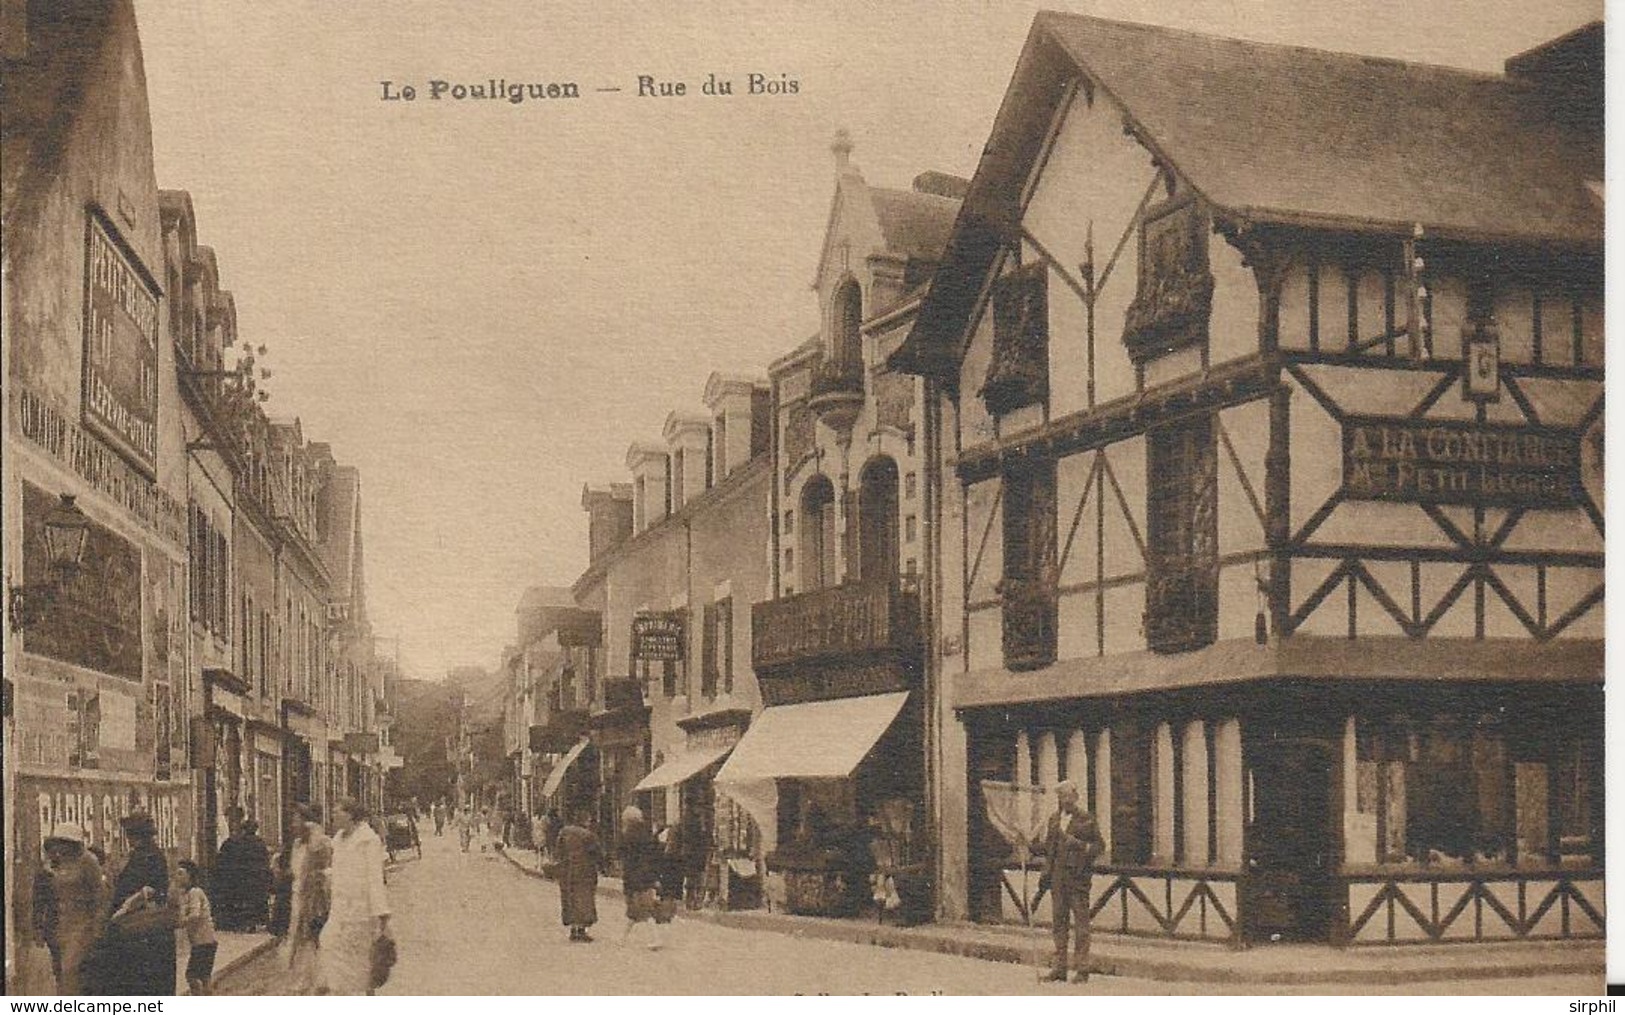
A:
[142,959]
[69,904]
[1071,843]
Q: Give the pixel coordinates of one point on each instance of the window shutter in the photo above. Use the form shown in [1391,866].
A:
[708,651]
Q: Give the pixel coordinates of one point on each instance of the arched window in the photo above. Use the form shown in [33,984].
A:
[877,521]
[847,341]
[817,534]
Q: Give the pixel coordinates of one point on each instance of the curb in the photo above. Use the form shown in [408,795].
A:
[1110,964]
[609,889]
[236,964]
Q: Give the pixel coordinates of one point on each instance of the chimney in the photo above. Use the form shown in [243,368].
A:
[1569,71]
[942,185]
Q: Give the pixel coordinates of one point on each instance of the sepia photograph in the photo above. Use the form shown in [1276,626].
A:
[1060,498]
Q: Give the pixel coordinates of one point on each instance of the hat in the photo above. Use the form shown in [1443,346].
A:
[138,823]
[308,812]
[66,831]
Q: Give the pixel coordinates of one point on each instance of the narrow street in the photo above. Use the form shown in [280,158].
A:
[474,924]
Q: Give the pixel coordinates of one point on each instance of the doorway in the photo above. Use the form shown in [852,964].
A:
[1287,892]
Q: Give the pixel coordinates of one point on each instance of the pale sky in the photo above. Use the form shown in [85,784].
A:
[481,305]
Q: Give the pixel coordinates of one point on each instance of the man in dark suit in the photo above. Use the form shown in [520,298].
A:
[1071,843]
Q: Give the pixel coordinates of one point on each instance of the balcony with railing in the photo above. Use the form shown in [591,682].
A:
[859,638]
[837,391]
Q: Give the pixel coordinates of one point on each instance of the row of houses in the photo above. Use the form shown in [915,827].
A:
[1230,445]
[187,628]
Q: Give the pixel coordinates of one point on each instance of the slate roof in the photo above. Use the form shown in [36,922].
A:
[1287,133]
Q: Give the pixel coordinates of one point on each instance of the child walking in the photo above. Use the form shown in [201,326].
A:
[197,919]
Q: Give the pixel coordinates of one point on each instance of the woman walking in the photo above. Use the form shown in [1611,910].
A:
[309,867]
[359,916]
[580,857]
[640,872]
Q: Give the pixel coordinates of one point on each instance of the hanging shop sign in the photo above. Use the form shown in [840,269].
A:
[658,636]
[121,348]
[1425,461]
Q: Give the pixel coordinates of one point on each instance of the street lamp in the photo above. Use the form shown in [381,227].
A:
[67,530]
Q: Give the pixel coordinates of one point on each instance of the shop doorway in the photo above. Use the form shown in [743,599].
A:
[1287,893]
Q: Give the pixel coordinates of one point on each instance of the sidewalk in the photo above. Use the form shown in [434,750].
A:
[1156,959]
[235,951]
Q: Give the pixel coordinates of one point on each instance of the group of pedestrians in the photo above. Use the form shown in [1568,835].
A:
[120,938]
[651,874]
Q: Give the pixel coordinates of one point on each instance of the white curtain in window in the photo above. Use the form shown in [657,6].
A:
[1162,800]
[1196,802]
[1024,760]
[1049,760]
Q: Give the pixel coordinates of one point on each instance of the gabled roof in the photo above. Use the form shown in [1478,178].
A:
[1288,135]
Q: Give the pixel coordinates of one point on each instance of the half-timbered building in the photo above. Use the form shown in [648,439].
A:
[1270,391]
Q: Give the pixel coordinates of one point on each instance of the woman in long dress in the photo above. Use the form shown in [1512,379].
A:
[359,912]
[580,858]
[309,869]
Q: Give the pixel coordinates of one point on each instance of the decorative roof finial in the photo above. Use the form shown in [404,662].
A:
[842,148]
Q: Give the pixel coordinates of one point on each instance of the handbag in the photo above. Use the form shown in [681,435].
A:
[152,918]
[384,956]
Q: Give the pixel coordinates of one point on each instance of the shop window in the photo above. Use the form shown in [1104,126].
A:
[1445,793]
[1028,587]
[1182,536]
[1018,373]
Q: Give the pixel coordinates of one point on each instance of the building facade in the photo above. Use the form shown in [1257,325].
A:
[1271,488]
[150,673]
[677,555]
[838,645]
[97,667]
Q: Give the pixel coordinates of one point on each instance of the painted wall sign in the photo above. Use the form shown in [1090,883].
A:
[121,348]
[658,636]
[1460,462]
[94,621]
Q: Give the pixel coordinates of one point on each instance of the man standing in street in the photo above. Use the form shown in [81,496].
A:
[1071,844]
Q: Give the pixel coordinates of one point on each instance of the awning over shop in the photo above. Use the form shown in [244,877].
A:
[682,768]
[812,740]
[555,778]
